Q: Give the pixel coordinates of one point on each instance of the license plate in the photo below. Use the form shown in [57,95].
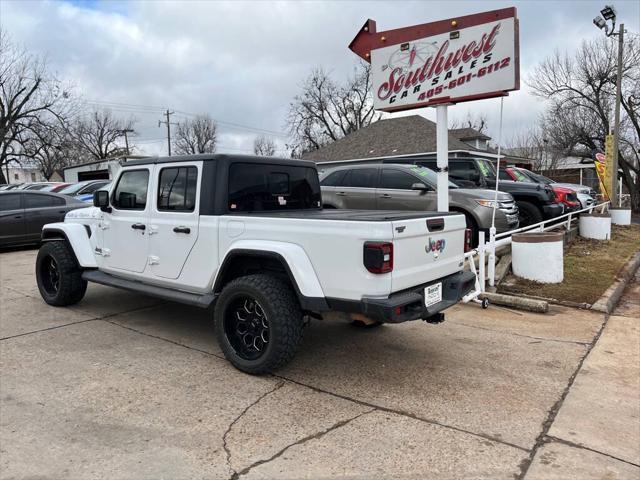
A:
[433,294]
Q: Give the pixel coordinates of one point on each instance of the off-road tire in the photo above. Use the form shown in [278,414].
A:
[278,301]
[529,214]
[71,287]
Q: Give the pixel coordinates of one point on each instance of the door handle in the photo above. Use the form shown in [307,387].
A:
[18,216]
[385,195]
[182,230]
[341,194]
[138,226]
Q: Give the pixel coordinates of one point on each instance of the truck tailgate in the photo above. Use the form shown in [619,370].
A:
[426,249]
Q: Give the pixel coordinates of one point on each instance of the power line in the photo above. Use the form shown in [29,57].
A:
[168,123]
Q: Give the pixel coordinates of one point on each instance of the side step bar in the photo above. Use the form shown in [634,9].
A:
[198,300]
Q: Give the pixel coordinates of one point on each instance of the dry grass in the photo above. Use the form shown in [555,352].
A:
[590,266]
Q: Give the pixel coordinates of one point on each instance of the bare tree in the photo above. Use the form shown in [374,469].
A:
[325,111]
[477,122]
[100,135]
[196,136]
[49,146]
[29,95]
[580,89]
[264,146]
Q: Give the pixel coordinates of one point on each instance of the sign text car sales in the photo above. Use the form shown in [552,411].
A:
[451,61]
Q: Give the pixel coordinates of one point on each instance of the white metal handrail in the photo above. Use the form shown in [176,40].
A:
[504,238]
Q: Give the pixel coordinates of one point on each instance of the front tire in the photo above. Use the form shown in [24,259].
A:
[529,214]
[58,275]
[258,323]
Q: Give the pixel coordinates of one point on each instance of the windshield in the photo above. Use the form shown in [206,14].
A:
[487,169]
[71,189]
[429,176]
[520,177]
[259,187]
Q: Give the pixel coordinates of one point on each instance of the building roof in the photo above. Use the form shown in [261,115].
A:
[468,134]
[393,136]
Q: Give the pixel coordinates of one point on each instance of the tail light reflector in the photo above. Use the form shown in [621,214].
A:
[378,257]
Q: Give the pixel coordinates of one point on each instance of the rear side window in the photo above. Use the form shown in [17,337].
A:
[41,201]
[397,179]
[177,189]
[256,187]
[361,178]
[131,191]
[505,176]
[9,201]
[334,179]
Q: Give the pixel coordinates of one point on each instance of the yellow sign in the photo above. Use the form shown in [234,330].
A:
[608,153]
[600,163]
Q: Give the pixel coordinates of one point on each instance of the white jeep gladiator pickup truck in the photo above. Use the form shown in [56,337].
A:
[248,236]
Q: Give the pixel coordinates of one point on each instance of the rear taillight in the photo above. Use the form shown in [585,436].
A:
[378,257]
[467,240]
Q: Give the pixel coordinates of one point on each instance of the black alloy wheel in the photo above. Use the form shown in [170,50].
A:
[50,275]
[246,327]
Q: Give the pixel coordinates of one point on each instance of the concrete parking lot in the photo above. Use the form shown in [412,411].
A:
[123,386]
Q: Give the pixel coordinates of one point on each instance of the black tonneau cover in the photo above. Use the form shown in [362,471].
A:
[346,215]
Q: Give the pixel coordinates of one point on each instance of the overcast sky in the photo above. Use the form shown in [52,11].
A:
[242,62]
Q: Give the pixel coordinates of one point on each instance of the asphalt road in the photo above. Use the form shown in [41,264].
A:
[122,386]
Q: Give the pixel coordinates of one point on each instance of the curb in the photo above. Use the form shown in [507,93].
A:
[528,304]
[608,301]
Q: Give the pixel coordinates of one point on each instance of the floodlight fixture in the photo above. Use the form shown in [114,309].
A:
[599,22]
[608,12]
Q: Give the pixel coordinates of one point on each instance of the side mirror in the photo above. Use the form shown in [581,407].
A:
[101,200]
[420,186]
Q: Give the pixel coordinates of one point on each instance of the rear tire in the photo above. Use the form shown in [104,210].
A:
[528,214]
[58,275]
[258,323]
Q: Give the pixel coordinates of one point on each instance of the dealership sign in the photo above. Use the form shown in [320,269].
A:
[449,61]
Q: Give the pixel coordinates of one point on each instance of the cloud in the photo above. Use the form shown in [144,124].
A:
[242,62]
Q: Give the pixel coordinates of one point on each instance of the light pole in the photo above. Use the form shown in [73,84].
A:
[609,13]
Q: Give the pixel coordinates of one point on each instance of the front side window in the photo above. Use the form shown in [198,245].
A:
[9,201]
[256,187]
[93,187]
[397,179]
[177,189]
[131,191]
[40,201]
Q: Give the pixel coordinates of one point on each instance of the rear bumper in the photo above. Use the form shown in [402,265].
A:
[552,210]
[409,304]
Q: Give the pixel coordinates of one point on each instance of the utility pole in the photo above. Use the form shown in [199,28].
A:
[126,139]
[168,123]
[616,138]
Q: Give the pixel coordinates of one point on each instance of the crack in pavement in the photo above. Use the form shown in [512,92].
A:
[94,319]
[574,342]
[302,441]
[343,397]
[226,448]
[403,413]
[550,438]
[553,412]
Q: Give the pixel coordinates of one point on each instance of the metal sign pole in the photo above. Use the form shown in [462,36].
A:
[442,149]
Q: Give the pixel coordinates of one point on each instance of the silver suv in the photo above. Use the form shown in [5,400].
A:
[412,187]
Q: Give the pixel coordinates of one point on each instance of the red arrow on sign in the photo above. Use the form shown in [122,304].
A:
[369,39]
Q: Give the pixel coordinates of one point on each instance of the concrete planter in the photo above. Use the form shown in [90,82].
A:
[596,226]
[620,216]
[538,256]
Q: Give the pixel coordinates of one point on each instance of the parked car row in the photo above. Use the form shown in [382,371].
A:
[524,198]
[25,208]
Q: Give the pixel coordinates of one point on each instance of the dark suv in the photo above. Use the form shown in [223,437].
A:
[535,202]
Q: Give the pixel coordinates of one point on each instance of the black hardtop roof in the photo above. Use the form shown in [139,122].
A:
[222,157]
